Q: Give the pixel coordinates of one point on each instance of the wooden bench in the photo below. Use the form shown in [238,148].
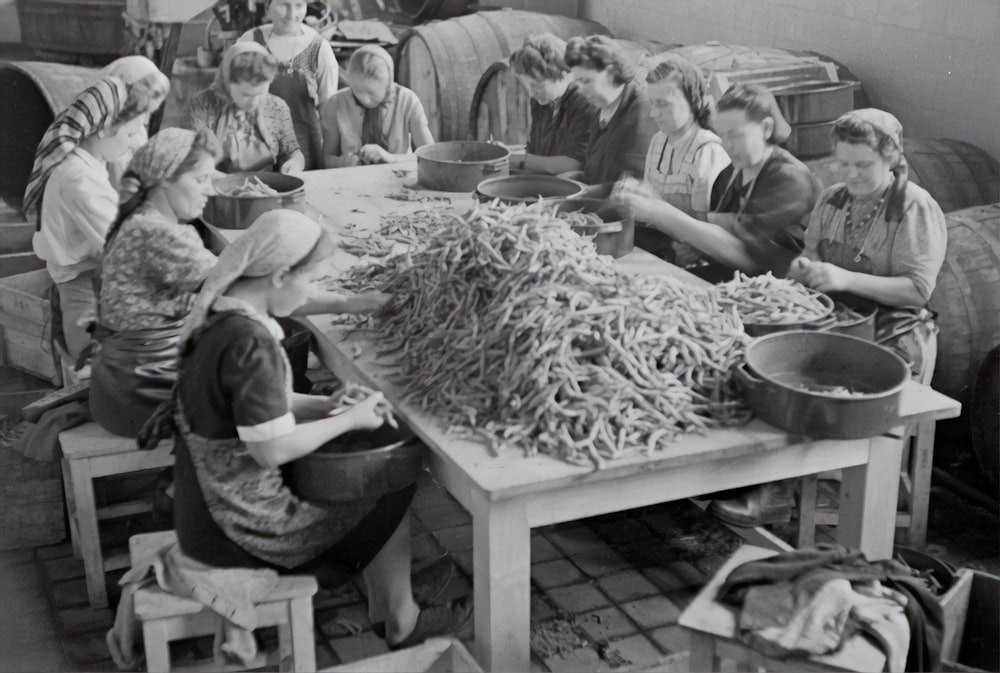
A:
[166,617]
[714,638]
[914,490]
[89,452]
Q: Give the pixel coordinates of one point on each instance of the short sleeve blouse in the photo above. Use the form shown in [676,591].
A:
[404,119]
[684,169]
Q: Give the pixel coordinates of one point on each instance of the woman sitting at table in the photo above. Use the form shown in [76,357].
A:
[254,126]
[76,201]
[685,157]
[876,236]
[238,421]
[761,202]
[561,117]
[374,120]
[308,73]
[621,130]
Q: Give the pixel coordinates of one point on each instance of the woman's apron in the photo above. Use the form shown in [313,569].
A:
[244,151]
[133,373]
[909,332]
[296,84]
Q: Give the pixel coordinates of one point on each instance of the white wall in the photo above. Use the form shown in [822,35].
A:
[933,63]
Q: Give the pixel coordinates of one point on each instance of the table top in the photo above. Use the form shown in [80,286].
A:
[353,200]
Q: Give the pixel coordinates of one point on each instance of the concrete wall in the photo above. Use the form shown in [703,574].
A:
[933,63]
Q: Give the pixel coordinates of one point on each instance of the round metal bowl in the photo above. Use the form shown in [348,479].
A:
[460,165]
[811,140]
[815,101]
[616,236]
[790,380]
[239,212]
[862,326]
[528,188]
[760,329]
[358,465]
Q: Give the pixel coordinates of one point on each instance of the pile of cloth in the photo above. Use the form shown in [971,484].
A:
[810,601]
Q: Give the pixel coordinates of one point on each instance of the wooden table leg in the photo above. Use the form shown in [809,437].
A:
[868,499]
[808,502]
[703,657]
[88,534]
[920,469]
[502,585]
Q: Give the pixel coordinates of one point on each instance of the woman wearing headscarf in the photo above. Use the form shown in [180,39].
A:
[254,127]
[74,197]
[308,73]
[878,237]
[374,120]
[561,116]
[761,202]
[238,422]
[621,130]
[685,156]
[134,70]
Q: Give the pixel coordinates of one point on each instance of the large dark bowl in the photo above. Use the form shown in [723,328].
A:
[616,236]
[239,212]
[358,465]
[528,188]
[460,165]
[786,377]
[813,101]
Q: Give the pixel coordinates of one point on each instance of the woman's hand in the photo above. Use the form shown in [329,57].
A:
[365,416]
[295,164]
[821,276]
[370,303]
[374,154]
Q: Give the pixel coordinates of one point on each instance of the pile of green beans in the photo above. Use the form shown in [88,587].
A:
[768,300]
[512,328]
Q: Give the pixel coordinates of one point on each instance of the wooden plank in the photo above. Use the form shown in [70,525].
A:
[33,329]
[14,263]
[122,509]
[16,237]
[30,354]
[73,393]
[24,296]
[868,500]
[955,605]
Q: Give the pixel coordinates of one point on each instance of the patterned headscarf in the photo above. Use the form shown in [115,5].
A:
[157,160]
[372,124]
[94,110]
[276,239]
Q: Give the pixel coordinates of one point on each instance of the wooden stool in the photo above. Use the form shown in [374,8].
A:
[166,617]
[914,487]
[89,452]
[713,631]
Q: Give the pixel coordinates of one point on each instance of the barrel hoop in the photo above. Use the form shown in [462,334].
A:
[963,151]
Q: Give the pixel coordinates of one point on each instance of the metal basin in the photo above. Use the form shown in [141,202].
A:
[761,329]
[459,165]
[239,212]
[358,465]
[814,101]
[616,236]
[528,188]
[811,140]
[789,380]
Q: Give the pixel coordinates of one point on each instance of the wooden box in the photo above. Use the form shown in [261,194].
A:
[166,11]
[442,655]
[26,325]
[972,622]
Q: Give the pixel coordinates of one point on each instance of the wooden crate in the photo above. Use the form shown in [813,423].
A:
[972,621]
[442,655]
[26,325]
[167,11]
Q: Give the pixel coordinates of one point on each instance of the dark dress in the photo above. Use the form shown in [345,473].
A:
[620,146]
[774,209]
[229,510]
[562,128]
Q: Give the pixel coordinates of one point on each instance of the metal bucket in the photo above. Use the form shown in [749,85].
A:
[528,188]
[460,165]
[239,212]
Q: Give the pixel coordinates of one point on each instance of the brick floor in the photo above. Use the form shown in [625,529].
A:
[556,573]
[636,650]
[606,624]
[652,612]
[626,586]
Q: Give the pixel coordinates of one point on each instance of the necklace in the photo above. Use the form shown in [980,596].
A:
[859,233]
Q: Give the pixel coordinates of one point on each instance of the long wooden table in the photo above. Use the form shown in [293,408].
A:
[510,494]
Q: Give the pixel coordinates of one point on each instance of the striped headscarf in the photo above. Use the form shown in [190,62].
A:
[94,110]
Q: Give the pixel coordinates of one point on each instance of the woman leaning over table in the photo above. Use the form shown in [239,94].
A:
[686,156]
[238,421]
[876,236]
[308,73]
[76,201]
[561,116]
[621,131]
[154,262]
[761,202]
[254,127]
[374,120]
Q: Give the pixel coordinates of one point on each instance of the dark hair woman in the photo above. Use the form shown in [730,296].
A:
[620,134]
[761,202]
[561,116]
[254,127]
[685,156]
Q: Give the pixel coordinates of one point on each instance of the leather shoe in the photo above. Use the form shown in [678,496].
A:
[768,503]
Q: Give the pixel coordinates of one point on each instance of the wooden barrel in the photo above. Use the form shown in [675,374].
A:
[421,11]
[501,107]
[966,299]
[957,174]
[725,64]
[984,416]
[31,94]
[442,61]
[90,32]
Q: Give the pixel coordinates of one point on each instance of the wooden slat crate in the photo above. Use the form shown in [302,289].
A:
[442,655]
[26,325]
